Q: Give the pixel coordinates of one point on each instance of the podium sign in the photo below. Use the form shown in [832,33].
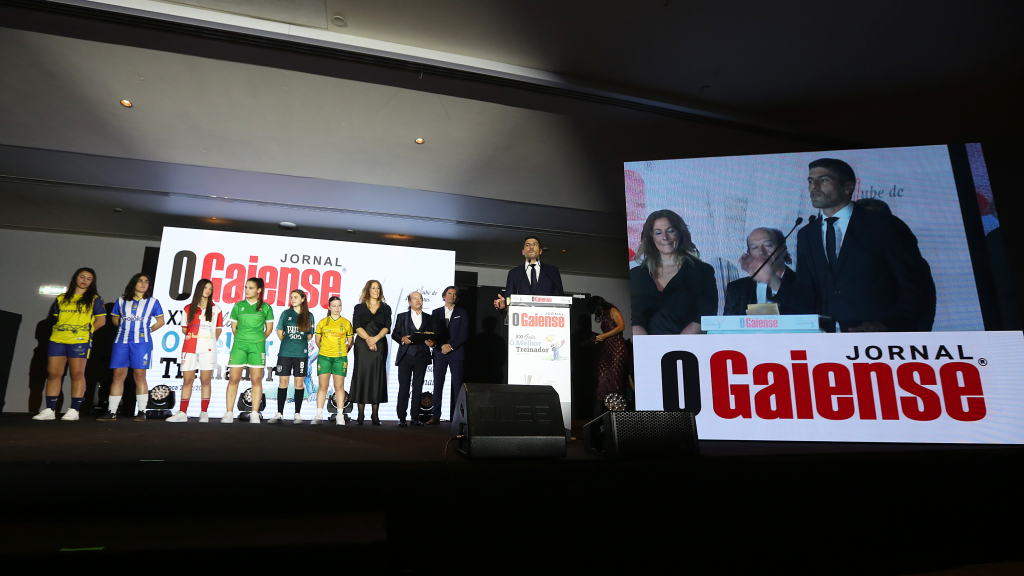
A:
[790,324]
[538,345]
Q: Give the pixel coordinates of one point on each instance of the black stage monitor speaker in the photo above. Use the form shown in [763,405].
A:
[642,433]
[509,421]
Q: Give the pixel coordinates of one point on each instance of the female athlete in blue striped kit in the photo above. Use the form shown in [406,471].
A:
[133,346]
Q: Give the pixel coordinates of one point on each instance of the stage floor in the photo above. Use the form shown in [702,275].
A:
[384,499]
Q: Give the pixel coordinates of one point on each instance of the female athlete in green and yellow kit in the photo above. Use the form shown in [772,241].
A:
[252,321]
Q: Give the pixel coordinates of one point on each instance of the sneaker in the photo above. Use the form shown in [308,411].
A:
[276,419]
[204,417]
[316,420]
[141,416]
[71,414]
[341,420]
[45,414]
[254,418]
[108,416]
[228,418]
[179,417]
[297,419]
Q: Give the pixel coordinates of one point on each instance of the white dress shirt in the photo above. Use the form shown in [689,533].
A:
[448,313]
[417,318]
[528,271]
[840,226]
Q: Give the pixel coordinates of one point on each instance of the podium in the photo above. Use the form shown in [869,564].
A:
[538,345]
[775,324]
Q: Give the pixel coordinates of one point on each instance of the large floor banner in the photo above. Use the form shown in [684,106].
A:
[951,387]
[322,268]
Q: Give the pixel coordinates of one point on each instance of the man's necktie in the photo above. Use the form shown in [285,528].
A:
[533,276]
[830,242]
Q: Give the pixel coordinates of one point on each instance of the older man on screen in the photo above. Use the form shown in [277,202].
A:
[762,243]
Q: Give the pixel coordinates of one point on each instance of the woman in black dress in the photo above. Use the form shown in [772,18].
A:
[671,288]
[371,320]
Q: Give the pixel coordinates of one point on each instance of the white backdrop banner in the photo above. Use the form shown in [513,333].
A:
[951,387]
[322,268]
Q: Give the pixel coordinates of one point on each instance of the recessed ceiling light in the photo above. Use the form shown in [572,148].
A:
[288,225]
[339,22]
[350,231]
[118,210]
[564,250]
[420,140]
[397,236]
[126,103]
[213,218]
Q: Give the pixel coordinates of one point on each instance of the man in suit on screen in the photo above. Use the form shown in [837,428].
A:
[531,278]
[860,267]
[452,325]
[740,293]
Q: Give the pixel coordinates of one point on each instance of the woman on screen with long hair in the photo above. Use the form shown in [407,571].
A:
[294,330]
[203,324]
[133,345]
[334,339]
[671,288]
[78,313]
[252,321]
[371,320]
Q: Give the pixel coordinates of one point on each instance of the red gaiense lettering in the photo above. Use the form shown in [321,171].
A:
[953,393]
[824,391]
[310,279]
[330,286]
[722,392]
[865,391]
[289,280]
[779,388]
[929,407]
[214,262]
[234,290]
[269,276]
[802,385]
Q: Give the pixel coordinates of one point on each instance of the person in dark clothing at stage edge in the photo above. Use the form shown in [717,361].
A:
[452,323]
[739,293]
[532,278]
[671,288]
[413,357]
[860,267]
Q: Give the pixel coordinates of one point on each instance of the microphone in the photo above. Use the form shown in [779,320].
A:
[799,220]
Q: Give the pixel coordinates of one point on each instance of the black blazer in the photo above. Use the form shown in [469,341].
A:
[741,292]
[549,281]
[454,334]
[405,327]
[879,276]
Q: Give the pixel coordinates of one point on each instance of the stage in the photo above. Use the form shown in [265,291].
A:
[384,497]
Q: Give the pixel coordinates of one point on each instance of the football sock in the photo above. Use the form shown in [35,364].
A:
[51,402]
[282,397]
[76,403]
[299,393]
[184,405]
[205,404]
[142,400]
[112,403]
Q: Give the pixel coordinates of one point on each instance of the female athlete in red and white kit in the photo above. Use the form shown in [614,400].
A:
[202,328]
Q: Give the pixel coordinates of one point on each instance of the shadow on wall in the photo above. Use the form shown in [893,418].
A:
[98,375]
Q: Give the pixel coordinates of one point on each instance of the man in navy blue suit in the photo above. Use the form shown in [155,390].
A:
[452,326]
[860,267]
[531,278]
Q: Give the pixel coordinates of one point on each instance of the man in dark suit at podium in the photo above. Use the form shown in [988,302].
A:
[531,278]
[740,293]
[412,358]
[449,350]
[860,267]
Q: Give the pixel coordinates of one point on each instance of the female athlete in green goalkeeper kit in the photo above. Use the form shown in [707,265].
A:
[252,321]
